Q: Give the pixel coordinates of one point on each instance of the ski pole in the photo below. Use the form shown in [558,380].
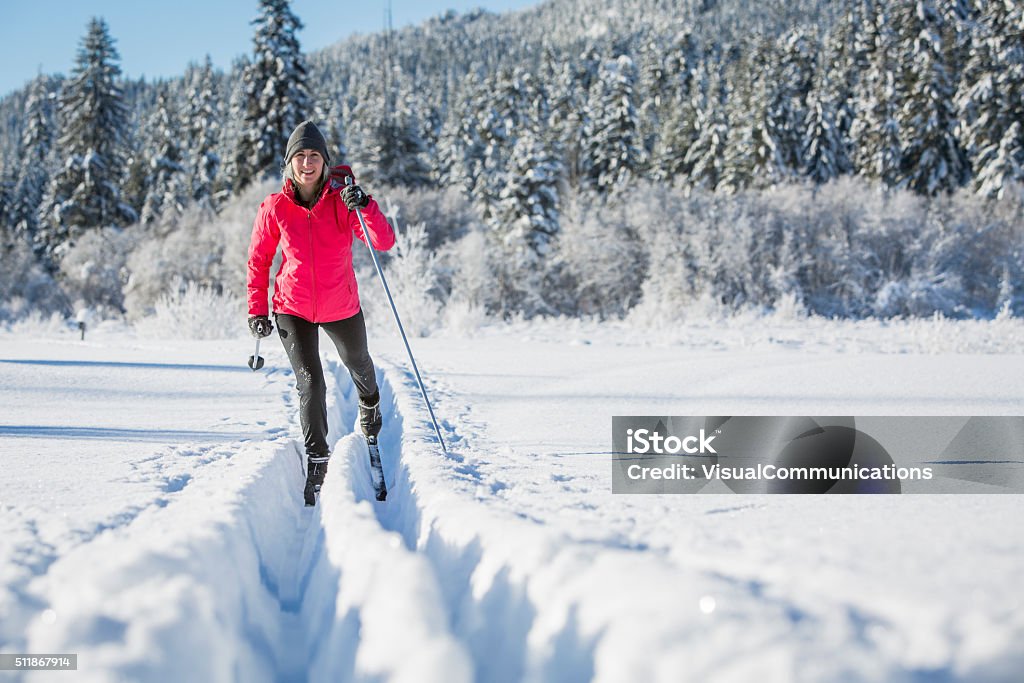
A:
[256,360]
[398,320]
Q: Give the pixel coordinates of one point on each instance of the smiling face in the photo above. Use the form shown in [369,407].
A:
[307,168]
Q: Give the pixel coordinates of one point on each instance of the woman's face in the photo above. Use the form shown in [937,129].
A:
[307,167]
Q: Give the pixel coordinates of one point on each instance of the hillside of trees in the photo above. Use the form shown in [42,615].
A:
[585,157]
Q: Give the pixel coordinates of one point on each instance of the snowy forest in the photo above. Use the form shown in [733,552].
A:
[596,158]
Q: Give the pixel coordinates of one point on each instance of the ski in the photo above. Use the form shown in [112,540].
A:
[380,487]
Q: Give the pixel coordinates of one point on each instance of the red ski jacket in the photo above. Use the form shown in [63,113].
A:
[316,281]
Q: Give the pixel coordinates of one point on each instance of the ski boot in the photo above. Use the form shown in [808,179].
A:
[369,415]
[370,423]
[316,468]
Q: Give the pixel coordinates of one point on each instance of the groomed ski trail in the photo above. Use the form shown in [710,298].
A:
[231,578]
[535,601]
[264,589]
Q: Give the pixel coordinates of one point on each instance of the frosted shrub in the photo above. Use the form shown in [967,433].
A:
[25,287]
[412,278]
[600,255]
[95,269]
[38,324]
[209,250]
[192,311]
[842,249]
[445,212]
[466,263]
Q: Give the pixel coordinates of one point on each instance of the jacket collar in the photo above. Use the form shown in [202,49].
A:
[289,191]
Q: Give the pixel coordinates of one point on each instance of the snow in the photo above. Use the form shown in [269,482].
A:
[152,517]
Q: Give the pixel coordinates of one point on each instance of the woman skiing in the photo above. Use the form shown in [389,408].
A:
[313,219]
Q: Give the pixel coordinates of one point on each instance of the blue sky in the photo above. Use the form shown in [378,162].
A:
[159,39]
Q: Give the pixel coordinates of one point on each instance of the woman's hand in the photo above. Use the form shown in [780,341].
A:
[354,197]
[260,326]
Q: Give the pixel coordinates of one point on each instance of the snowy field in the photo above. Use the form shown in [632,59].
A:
[152,517]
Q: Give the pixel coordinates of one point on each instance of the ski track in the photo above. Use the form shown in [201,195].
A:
[431,585]
[520,594]
[264,589]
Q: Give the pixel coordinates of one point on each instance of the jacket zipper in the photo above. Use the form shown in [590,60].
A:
[312,257]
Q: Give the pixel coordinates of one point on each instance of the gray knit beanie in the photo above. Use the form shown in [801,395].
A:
[306,136]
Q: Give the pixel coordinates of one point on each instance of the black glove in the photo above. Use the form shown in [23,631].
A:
[354,197]
[260,326]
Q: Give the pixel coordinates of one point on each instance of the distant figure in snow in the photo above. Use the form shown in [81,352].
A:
[84,318]
[313,219]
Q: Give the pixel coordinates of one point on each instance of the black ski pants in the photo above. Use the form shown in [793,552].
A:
[301,340]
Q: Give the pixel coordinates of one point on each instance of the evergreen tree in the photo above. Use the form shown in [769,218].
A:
[654,90]
[233,131]
[706,156]
[567,116]
[991,103]
[202,118]
[875,131]
[677,129]
[750,154]
[933,160]
[527,210]
[275,91]
[677,135]
[824,152]
[8,210]
[508,99]
[398,151]
[85,192]
[1006,164]
[613,152]
[460,149]
[526,221]
[36,150]
[791,84]
[168,184]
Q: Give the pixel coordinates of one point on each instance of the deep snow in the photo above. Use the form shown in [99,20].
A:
[152,517]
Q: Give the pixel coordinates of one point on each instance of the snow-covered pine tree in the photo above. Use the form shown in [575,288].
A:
[276,93]
[933,159]
[460,149]
[85,193]
[169,187]
[398,151]
[135,185]
[233,130]
[677,129]
[567,115]
[654,91]
[991,99]
[751,156]
[203,113]
[678,133]
[706,156]
[36,149]
[613,152]
[527,208]
[680,65]
[787,108]
[506,100]
[824,151]
[876,139]
[8,210]
[1005,165]
[525,222]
